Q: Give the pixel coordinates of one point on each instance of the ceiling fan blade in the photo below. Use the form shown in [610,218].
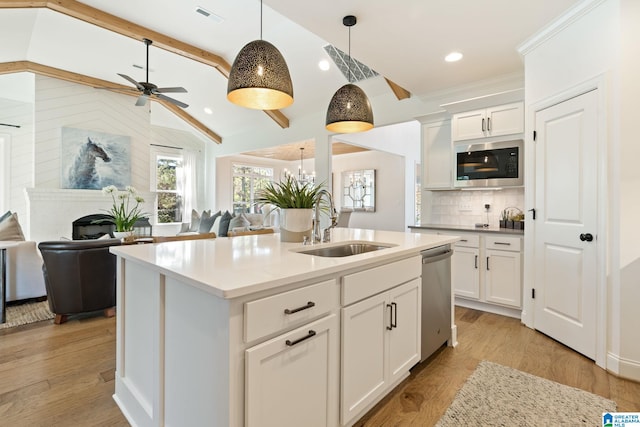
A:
[173,101]
[142,100]
[170,90]
[133,82]
[118,89]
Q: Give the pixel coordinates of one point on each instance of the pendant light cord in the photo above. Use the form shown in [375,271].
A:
[260,19]
[349,66]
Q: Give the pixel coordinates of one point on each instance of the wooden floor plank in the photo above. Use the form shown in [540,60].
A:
[63,374]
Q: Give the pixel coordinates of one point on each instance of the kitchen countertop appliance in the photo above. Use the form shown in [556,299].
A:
[436,299]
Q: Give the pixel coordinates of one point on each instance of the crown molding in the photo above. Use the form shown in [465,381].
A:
[558,25]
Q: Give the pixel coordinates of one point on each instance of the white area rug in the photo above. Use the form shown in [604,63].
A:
[27,313]
[496,395]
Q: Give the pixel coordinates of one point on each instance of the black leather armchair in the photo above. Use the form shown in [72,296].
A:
[80,276]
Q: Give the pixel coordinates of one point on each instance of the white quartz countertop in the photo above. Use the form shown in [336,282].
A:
[231,267]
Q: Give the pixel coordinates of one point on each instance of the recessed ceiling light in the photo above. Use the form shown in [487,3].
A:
[453,57]
[208,110]
[324,65]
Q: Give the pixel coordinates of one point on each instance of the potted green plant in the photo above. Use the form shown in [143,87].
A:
[295,201]
[125,210]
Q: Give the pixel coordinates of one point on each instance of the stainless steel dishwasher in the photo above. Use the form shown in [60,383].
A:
[436,298]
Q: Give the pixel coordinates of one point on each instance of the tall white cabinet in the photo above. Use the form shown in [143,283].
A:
[437,153]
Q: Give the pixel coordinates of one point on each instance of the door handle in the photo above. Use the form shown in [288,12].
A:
[482,125]
[395,315]
[487,263]
[488,124]
[476,262]
[586,237]
[390,307]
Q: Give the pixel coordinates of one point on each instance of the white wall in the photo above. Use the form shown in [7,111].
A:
[390,197]
[402,139]
[601,41]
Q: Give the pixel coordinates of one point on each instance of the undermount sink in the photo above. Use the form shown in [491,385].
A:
[346,249]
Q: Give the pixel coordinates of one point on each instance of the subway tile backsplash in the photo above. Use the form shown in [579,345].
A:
[467,207]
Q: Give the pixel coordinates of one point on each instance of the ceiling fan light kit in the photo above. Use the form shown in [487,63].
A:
[259,77]
[349,109]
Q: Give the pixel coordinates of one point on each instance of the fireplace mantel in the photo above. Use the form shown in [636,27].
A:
[51,211]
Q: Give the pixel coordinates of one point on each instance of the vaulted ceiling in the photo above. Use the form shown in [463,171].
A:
[404,41]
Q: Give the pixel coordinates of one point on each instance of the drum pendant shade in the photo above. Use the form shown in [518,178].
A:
[349,111]
[260,78]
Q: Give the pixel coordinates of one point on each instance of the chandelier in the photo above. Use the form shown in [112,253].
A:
[303,178]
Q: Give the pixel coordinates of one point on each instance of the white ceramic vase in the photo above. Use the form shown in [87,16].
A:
[295,224]
[122,234]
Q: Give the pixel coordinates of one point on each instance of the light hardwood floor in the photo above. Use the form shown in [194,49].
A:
[62,375]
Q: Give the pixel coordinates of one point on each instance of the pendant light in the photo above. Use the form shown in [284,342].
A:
[259,77]
[349,110]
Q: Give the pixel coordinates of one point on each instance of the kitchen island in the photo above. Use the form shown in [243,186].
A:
[249,331]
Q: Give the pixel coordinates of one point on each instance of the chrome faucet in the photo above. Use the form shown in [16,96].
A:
[326,236]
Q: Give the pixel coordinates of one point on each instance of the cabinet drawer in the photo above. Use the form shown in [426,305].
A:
[366,283]
[468,241]
[288,309]
[503,243]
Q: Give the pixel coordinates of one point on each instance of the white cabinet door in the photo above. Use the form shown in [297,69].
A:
[437,162]
[465,274]
[468,125]
[380,343]
[404,337]
[502,278]
[505,119]
[292,380]
[363,346]
[501,120]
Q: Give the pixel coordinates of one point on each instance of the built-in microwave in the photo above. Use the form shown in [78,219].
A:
[492,164]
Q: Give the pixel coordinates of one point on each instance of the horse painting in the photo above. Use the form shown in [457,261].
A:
[82,172]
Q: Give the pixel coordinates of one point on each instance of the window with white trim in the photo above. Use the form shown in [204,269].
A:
[246,181]
[168,188]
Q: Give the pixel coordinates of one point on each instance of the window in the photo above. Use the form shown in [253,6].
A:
[247,180]
[169,195]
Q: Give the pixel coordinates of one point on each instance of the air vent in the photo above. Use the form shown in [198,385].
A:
[359,71]
[204,12]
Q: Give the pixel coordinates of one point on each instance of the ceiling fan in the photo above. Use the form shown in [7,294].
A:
[148,89]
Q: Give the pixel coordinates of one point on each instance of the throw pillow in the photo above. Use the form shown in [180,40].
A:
[195,220]
[255,220]
[216,226]
[184,227]
[4,216]
[10,229]
[225,219]
[207,223]
[239,221]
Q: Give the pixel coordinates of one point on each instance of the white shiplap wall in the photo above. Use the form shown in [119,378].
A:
[36,147]
[61,104]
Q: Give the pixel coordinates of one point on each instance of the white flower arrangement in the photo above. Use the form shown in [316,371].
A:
[124,216]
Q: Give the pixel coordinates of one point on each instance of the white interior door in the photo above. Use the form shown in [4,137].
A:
[565,230]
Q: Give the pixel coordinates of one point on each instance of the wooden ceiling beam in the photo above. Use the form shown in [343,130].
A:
[400,92]
[44,70]
[126,28]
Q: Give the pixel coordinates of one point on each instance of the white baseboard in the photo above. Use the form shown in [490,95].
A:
[491,308]
[624,368]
